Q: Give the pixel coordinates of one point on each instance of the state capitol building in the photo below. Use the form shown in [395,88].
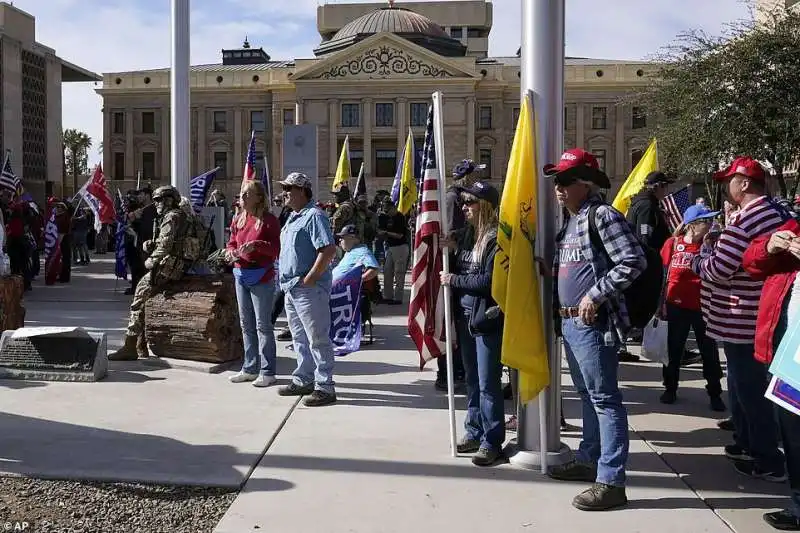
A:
[370,78]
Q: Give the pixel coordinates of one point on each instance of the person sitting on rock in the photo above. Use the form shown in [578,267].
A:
[165,263]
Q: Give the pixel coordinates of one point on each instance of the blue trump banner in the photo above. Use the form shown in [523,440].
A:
[784,395]
[346,312]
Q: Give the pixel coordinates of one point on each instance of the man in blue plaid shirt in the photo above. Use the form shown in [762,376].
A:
[593,319]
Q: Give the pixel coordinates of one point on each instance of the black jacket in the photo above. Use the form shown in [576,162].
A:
[478,284]
[648,221]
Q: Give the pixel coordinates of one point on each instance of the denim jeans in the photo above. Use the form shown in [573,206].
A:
[308,311]
[255,306]
[680,320]
[593,367]
[753,415]
[483,372]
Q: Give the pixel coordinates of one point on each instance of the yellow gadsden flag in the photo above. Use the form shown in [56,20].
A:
[408,183]
[343,172]
[515,280]
[647,164]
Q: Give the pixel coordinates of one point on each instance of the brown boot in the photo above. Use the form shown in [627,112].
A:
[141,347]
[128,352]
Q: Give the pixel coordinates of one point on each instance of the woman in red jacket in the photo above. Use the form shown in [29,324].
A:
[682,299]
[776,260]
[253,248]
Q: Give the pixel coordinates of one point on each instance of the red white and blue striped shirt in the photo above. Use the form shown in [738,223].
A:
[729,296]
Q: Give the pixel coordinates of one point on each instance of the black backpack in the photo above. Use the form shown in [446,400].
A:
[643,296]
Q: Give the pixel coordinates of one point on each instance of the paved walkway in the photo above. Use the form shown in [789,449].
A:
[376,462]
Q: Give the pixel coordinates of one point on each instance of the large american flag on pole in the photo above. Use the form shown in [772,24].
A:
[426,324]
[675,205]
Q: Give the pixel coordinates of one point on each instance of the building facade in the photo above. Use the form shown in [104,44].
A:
[31,75]
[370,80]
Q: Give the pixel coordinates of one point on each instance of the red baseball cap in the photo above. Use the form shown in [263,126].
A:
[746,166]
[579,164]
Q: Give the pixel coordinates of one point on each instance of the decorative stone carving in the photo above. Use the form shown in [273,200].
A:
[384,62]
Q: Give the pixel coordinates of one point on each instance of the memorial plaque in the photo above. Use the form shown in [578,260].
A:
[300,152]
[53,354]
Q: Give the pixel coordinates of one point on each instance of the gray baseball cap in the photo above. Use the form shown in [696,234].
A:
[297,179]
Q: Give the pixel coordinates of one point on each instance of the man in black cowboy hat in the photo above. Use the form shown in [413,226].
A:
[592,319]
[645,214]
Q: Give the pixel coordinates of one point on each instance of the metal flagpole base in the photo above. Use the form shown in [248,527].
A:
[529,460]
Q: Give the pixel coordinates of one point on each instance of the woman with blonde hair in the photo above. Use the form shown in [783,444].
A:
[253,248]
[479,333]
[682,305]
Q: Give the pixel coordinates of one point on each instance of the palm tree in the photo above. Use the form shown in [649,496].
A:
[76,154]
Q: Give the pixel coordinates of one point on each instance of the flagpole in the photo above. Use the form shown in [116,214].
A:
[180,97]
[438,137]
[538,441]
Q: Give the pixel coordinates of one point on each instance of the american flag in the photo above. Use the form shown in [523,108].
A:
[674,205]
[199,187]
[8,180]
[250,164]
[426,324]
[121,261]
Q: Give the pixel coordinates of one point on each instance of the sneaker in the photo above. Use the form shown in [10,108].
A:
[783,521]
[243,377]
[735,452]
[749,468]
[440,385]
[265,381]
[669,397]
[627,357]
[284,335]
[600,497]
[468,445]
[293,389]
[511,424]
[574,471]
[726,425]
[486,457]
[319,398]
[691,357]
[717,404]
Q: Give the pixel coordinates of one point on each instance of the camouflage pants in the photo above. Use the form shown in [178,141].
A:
[146,287]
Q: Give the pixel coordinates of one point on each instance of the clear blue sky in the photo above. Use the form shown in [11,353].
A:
[116,35]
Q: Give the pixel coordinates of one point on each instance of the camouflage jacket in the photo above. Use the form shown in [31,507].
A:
[363,220]
[169,232]
[344,215]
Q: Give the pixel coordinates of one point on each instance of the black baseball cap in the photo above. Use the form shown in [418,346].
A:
[657,178]
[349,229]
[482,191]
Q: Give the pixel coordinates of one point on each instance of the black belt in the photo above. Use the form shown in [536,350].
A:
[568,312]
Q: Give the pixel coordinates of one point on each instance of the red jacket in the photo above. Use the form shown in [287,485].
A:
[268,243]
[778,272]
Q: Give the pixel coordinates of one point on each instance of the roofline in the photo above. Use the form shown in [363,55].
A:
[79,74]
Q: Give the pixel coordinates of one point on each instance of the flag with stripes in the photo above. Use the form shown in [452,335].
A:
[52,248]
[121,260]
[674,205]
[250,162]
[8,180]
[426,324]
[96,194]
[199,187]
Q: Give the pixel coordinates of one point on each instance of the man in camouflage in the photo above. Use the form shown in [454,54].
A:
[165,263]
[345,213]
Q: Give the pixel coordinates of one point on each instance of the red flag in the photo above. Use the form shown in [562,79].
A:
[97,188]
[426,309]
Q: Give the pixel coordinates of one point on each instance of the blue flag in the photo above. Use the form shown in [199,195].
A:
[121,264]
[346,312]
[199,187]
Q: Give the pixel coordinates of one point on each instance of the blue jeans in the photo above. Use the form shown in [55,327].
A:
[753,415]
[255,310]
[593,367]
[308,311]
[483,370]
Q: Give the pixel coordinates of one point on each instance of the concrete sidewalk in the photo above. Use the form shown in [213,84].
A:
[376,462]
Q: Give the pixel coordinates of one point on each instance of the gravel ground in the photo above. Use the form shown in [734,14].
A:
[89,507]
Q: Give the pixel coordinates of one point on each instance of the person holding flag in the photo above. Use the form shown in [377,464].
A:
[591,272]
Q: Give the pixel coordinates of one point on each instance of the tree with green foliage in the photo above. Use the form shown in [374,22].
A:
[713,98]
[76,154]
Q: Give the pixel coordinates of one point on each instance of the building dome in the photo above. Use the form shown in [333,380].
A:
[402,22]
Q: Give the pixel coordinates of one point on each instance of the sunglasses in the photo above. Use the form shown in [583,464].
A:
[469,200]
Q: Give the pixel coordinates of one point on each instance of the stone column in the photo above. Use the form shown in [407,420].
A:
[107,152]
[619,142]
[130,156]
[202,145]
[470,111]
[367,125]
[333,144]
[166,162]
[580,119]
[402,124]
[55,154]
[12,102]
[238,158]
[298,111]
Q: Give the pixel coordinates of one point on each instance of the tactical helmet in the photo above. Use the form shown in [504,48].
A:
[168,191]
